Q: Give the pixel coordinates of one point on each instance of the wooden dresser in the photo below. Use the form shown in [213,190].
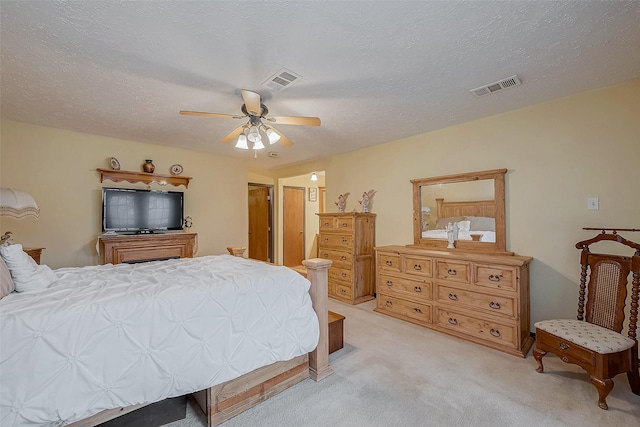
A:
[348,239]
[478,297]
[116,249]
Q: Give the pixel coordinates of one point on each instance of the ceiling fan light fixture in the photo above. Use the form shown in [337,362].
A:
[242,142]
[254,134]
[272,135]
[314,177]
[258,145]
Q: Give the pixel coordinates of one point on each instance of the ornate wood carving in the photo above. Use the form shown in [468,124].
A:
[147,178]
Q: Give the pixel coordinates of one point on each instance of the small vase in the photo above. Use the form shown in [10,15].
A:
[148,166]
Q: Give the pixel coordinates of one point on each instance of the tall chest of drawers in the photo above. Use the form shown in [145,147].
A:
[348,240]
[478,297]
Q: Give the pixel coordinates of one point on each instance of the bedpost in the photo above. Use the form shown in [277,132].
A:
[317,273]
[236,250]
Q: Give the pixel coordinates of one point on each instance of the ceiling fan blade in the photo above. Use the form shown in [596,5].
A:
[233,135]
[296,120]
[284,141]
[201,113]
[251,102]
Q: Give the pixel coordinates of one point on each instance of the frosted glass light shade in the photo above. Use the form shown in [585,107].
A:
[314,177]
[258,145]
[273,136]
[242,142]
[254,134]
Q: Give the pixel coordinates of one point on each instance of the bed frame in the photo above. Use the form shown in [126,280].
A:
[228,399]
[476,208]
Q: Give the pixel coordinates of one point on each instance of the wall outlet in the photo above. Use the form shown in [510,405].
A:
[592,203]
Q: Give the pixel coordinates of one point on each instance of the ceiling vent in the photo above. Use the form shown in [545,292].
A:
[494,87]
[273,154]
[281,80]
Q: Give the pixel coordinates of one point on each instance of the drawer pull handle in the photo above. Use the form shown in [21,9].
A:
[343,292]
[326,224]
[417,310]
[344,274]
[495,305]
[344,224]
[453,297]
[563,346]
[389,283]
[326,255]
[452,272]
[452,321]
[417,289]
[343,257]
[344,240]
[389,304]
[494,278]
[496,333]
[389,263]
[325,239]
[417,267]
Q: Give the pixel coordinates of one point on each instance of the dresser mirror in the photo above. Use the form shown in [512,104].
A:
[474,201]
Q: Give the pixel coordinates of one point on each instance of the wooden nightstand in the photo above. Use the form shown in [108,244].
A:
[34,253]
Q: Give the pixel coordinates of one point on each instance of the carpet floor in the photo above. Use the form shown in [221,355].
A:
[392,373]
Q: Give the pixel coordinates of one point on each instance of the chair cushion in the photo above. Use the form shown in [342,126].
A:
[594,337]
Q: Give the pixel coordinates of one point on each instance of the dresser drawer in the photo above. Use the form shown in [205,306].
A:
[489,304]
[412,288]
[338,273]
[493,276]
[453,271]
[413,310]
[389,262]
[336,240]
[344,290]
[418,266]
[338,257]
[336,223]
[501,333]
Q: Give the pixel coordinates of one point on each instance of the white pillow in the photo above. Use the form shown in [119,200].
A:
[463,225]
[27,275]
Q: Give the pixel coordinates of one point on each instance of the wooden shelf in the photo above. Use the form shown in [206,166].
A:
[147,178]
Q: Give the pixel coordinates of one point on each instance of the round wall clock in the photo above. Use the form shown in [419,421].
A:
[115,164]
[176,169]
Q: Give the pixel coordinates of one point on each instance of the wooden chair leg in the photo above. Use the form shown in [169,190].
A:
[538,355]
[604,388]
[634,374]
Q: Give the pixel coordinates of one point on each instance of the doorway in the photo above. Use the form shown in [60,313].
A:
[261,222]
[293,233]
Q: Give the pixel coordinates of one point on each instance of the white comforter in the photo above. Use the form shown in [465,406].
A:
[108,336]
[487,236]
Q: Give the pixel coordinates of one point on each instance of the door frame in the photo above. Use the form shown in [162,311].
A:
[270,247]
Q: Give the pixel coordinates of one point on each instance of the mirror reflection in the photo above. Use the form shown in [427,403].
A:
[469,206]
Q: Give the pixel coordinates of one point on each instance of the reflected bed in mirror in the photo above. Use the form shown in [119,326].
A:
[473,201]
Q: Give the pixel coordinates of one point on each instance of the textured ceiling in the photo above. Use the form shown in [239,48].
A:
[373,71]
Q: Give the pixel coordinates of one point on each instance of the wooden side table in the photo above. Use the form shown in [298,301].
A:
[34,253]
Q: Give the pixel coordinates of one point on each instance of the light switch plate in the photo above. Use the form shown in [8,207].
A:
[592,203]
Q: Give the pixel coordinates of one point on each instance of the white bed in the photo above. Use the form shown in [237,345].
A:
[112,336]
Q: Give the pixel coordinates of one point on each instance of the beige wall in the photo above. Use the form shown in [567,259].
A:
[58,168]
[558,154]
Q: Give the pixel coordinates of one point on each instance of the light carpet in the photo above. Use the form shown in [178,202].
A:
[392,373]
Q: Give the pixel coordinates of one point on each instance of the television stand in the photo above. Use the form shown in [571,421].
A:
[118,248]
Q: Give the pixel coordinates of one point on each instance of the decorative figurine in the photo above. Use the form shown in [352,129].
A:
[342,201]
[366,199]
[148,166]
[450,238]
[188,223]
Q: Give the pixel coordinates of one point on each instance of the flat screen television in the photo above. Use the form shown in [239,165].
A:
[141,211]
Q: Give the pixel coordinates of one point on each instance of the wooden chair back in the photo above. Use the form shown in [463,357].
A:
[606,292]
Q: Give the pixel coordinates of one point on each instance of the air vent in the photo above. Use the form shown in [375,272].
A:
[494,87]
[281,80]
[273,154]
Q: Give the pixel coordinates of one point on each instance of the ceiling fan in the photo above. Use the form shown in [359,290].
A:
[255,132]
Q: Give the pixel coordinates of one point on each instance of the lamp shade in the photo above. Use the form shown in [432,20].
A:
[314,177]
[17,204]
[242,142]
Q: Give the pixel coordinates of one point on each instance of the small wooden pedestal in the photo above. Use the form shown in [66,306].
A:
[336,331]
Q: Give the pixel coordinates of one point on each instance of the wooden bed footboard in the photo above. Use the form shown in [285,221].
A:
[228,399]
